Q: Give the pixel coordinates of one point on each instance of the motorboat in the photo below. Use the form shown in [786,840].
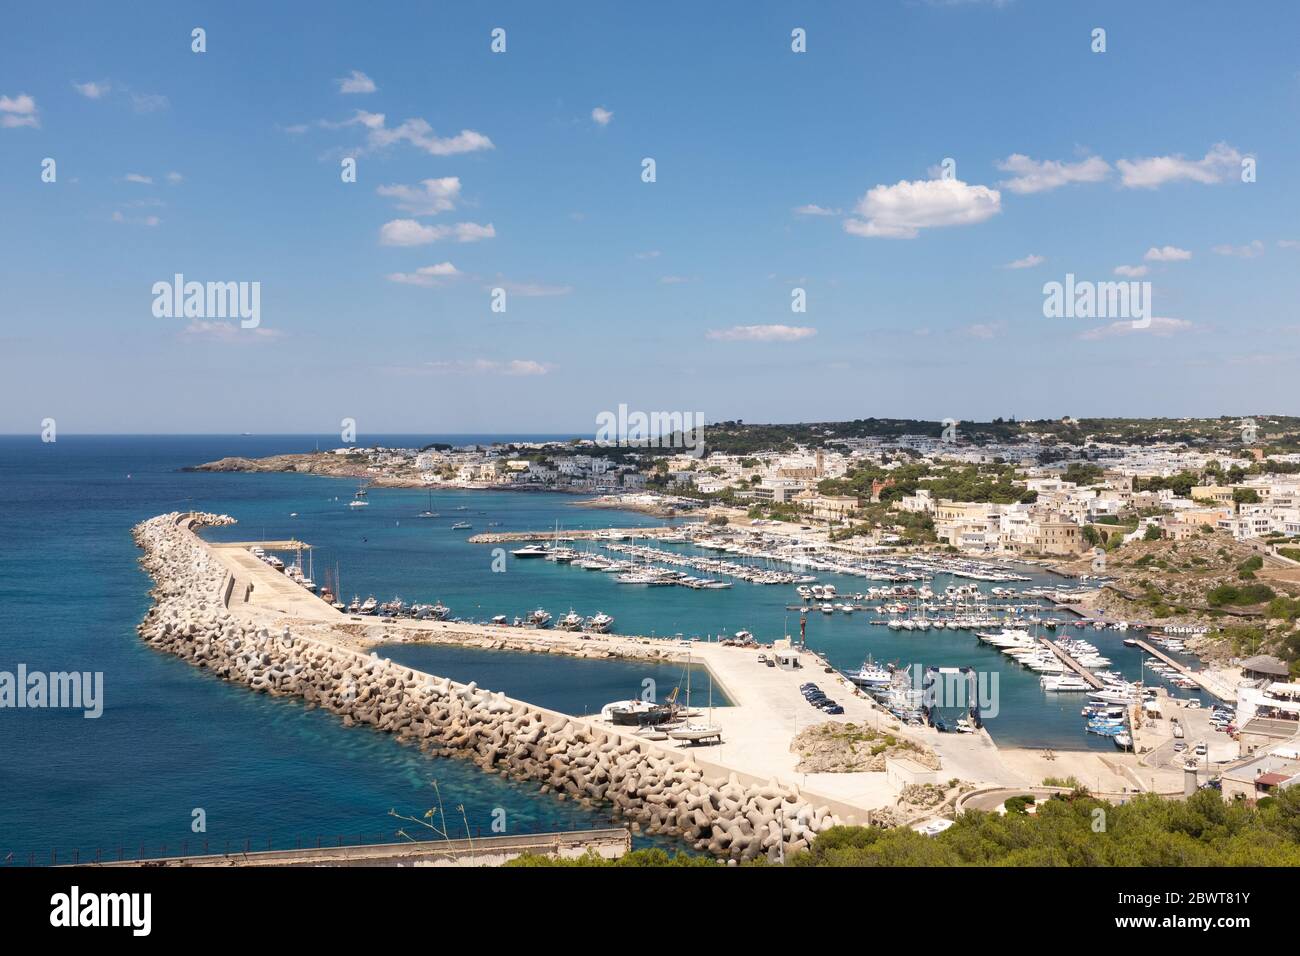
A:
[571,621]
[539,618]
[531,551]
[1064,682]
[461,526]
[600,622]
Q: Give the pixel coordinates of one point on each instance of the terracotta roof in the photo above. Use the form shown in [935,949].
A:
[1271,779]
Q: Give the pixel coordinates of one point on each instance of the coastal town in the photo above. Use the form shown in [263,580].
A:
[1189,546]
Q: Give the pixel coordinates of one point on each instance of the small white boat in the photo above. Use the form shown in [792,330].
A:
[697,733]
[600,622]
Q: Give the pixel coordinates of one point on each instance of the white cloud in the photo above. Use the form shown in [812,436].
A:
[534,290]
[138,178]
[131,221]
[1248,251]
[1158,326]
[986,330]
[1288,244]
[227,333]
[761,333]
[419,134]
[673,280]
[812,209]
[902,210]
[1218,165]
[174,177]
[1036,176]
[427,276]
[651,254]
[429,198]
[93,90]
[602,115]
[1131,272]
[1167,254]
[408,232]
[149,102]
[1028,262]
[18,111]
[356,82]
[487,367]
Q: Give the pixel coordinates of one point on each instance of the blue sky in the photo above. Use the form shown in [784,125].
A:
[672,295]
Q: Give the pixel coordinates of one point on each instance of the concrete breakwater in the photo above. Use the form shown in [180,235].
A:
[663,791]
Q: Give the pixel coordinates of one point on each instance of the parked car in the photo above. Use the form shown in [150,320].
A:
[1202,749]
[1179,746]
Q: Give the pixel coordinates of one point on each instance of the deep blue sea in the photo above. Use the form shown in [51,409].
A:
[173,739]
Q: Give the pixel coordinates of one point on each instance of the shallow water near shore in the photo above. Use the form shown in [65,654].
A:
[173,738]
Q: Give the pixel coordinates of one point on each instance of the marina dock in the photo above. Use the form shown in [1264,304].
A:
[1071,663]
[1212,687]
[766,712]
[573,534]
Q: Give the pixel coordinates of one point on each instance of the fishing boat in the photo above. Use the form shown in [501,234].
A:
[369,605]
[571,621]
[539,618]
[870,676]
[636,713]
[461,526]
[600,622]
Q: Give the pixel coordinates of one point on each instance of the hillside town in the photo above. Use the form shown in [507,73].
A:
[1008,499]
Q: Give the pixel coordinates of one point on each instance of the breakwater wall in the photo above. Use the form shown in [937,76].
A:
[664,791]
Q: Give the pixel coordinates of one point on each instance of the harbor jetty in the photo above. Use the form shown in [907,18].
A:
[206,614]
[1207,683]
[572,534]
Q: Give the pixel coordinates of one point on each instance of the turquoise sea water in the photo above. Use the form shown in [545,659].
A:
[174,738]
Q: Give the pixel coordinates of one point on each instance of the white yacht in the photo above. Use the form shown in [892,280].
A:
[571,621]
[1064,683]
[530,551]
[600,622]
